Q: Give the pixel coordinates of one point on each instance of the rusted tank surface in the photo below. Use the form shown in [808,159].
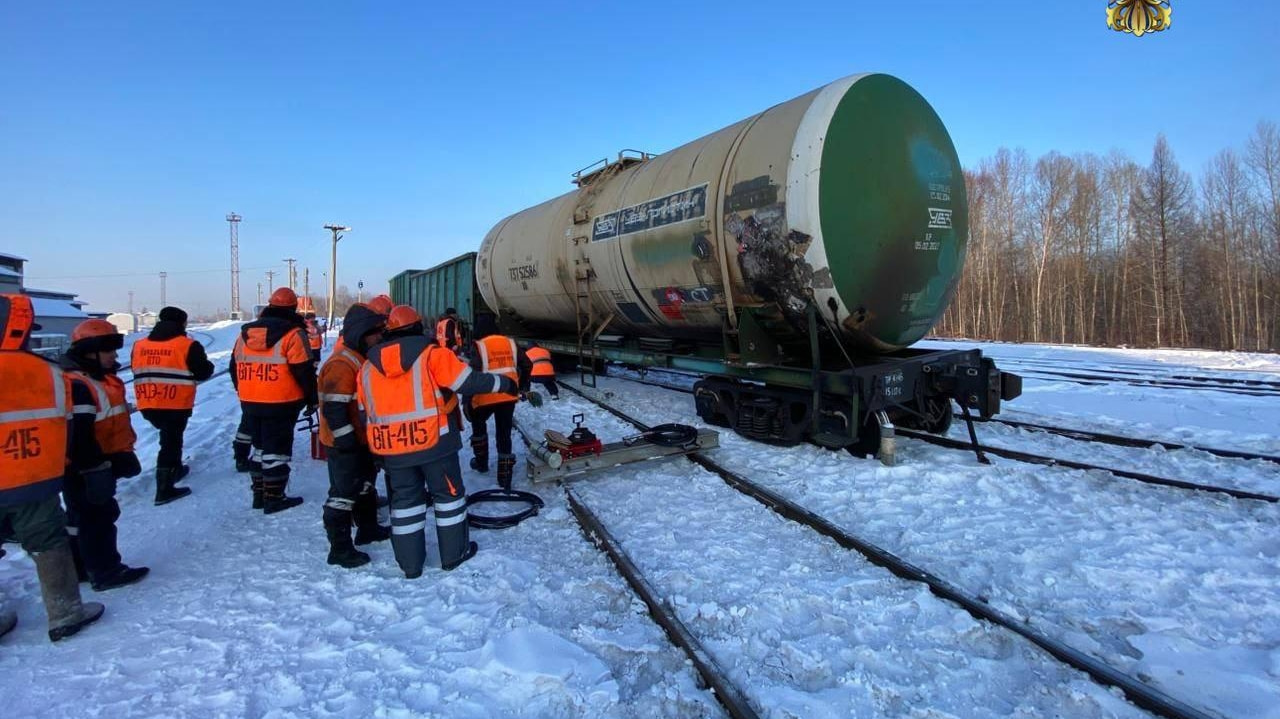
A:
[850,196]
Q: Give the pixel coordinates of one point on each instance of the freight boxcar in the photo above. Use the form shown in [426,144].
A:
[448,284]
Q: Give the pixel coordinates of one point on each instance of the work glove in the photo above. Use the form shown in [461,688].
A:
[532,398]
[124,464]
[99,484]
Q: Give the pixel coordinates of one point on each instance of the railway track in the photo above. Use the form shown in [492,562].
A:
[1047,461]
[1125,441]
[1103,378]
[1142,372]
[1138,692]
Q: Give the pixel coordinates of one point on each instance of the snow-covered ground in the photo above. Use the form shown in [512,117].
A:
[242,617]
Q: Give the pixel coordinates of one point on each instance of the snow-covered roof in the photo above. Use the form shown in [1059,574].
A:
[7,256]
[56,308]
[49,294]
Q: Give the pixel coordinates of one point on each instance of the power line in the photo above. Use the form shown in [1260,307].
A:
[134,274]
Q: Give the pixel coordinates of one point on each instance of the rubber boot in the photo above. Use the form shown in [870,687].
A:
[240,449]
[273,496]
[255,484]
[181,473]
[67,614]
[123,576]
[472,548]
[480,448]
[368,530]
[506,468]
[8,620]
[337,524]
[165,491]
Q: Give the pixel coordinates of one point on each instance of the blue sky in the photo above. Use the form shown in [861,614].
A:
[129,130]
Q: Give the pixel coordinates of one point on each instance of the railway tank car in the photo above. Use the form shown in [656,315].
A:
[791,257]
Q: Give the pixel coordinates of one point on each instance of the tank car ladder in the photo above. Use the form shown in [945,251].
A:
[588,352]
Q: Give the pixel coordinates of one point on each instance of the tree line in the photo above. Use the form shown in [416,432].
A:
[1101,250]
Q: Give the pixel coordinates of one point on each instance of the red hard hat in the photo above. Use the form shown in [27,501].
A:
[96,336]
[402,316]
[283,297]
[381,304]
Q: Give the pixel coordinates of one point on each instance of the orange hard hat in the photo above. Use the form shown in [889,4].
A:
[283,297]
[96,336]
[402,316]
[381,304]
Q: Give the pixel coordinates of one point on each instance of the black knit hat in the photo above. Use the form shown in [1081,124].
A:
[173,314]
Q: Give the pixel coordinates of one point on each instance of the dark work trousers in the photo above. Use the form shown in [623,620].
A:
[351,474]
[242,445]
[92,512]
[409,488]
[503,415]
[549,384]
[272,444]
[172,424]
[38,526]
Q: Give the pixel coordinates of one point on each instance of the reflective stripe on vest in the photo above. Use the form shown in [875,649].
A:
[111,427]
[497,356]
[33,421]
[260,376]
[161,379]
[415,430]
[344,356]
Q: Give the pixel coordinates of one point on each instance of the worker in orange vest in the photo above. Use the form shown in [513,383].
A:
[315,339]
[352,496]
[100,452]
[401,390]
[166,367]
[497,354]
[34,408]
[274,375]
[448,334]
[543,371]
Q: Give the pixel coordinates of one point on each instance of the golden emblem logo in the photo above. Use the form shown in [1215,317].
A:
[1139,17]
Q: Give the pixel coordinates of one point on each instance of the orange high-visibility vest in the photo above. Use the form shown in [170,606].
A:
[262,373]
[313,335]
[33,423]
[161,379]
[497,356]
[442,333]
[406,413]
[111,425]
[541,359]
[338,384]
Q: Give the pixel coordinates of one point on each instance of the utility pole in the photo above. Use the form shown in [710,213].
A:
[360,291]
[306,286]
[163,301]
[234,220]
[130,301]
[271,280]
[333,265]
[293,274]
[259,293]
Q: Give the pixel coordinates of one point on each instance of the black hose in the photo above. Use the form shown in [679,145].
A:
[484,521]
[670,435]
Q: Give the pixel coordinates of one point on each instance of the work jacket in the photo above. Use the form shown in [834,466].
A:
[33,427]
[401,390]
[99,414]
[271,366]
[314,338]
[447,333]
